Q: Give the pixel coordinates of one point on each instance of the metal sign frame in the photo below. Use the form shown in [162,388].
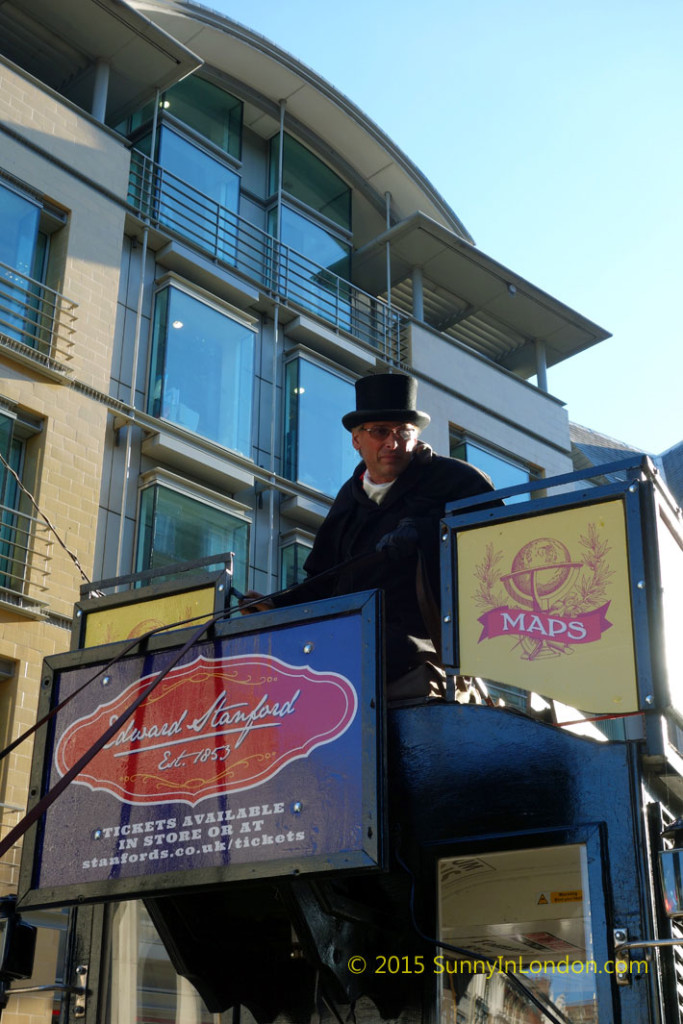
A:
[361,755]
[194,582]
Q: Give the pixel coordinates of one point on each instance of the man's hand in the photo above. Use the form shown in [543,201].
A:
[401,542]
[249,603]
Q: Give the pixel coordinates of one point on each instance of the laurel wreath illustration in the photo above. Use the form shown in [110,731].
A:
[588,591]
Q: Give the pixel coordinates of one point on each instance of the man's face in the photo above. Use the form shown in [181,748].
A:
[385,453]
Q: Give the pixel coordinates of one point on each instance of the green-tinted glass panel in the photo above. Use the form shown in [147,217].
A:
[292,561]
[208,109]
[202,370]
[311,181]
[174,527]
[318,450]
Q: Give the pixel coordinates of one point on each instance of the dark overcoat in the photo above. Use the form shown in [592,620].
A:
[354,526]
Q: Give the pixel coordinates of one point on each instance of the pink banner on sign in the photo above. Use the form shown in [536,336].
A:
[213,726]
[540,625]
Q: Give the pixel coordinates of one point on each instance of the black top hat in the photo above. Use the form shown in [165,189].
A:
[386,396]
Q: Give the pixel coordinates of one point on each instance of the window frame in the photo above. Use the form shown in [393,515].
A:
[170,280]
[161,478]
[295,356]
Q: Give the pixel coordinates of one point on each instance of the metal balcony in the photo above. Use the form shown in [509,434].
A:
[36,322]
[25,556]
[169,203]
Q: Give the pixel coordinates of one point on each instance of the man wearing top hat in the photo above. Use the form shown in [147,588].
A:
[392,505]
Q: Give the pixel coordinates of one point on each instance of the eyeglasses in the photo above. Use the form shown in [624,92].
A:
[382,433]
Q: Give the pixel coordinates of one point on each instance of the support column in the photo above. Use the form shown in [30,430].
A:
[418,294]
[541,365]
[100,91]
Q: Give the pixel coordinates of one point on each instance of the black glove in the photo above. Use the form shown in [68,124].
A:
[401,542]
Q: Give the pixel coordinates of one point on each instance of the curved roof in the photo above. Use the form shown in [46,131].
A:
[272,75]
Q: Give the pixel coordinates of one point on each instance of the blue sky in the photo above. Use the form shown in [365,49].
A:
[554,132]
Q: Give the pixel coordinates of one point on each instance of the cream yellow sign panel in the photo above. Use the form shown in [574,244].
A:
[127,621]
[544,604]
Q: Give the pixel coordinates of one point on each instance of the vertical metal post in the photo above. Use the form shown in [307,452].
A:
[541,365]
[100,91]
[418,293]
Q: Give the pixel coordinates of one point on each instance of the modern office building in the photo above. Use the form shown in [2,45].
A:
[204,244]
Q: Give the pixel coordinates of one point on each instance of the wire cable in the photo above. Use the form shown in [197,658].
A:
[50,526]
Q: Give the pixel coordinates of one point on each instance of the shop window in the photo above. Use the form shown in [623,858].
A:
[504,470]
[525,913]
[202,369]
[26,311]
[179,526]
[16,522]
[309,180]
[318,450]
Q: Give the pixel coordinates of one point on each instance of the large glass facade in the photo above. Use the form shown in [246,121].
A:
[177,527]
[318,450]
[202,369]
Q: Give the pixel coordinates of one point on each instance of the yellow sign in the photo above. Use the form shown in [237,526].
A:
[127,621]
[544,604]
[567,896]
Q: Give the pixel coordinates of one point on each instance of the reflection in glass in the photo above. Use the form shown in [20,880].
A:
[197,194]
[523,913]
[314,267]
[202,370]
[502,471]
[292,558]
[311,181]
[174,527]
[22,257]
[318,450]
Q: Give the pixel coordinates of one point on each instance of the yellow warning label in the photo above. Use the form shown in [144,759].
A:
[568,896]
[565,896]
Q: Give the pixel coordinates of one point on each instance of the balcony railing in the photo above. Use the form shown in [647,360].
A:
[170,203]
[25,555]
[36,321]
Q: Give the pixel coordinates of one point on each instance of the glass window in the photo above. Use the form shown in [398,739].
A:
[203,106]
[211,111]
[22,252]
[311,181]
[292,558]
[521,912]
[503,470]
[13,526]
[196,194]
[178,527]
[202,369]
[318,450]
[314,266]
